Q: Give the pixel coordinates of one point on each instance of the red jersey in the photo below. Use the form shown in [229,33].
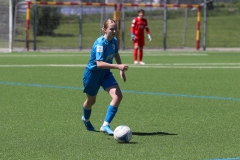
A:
[138,26]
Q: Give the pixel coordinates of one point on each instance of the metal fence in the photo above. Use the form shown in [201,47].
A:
[223,21]
[4,25]
[181,25]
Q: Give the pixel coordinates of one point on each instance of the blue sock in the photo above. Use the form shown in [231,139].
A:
[86,113]
[111,111]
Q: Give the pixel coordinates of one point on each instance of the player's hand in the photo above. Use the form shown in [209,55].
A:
[123,67]
[132,37]
[149,37]
[123,76]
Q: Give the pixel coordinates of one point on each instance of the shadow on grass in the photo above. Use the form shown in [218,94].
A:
[153,134]
[147,133]
[127,143]
[104,133]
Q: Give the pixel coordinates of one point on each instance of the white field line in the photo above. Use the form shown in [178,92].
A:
[172,54]
[174,65]
[198,67]
[55,55]
[45,65]
[193,64]
[123,54]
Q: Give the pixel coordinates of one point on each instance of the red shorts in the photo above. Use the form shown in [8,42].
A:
[139,42]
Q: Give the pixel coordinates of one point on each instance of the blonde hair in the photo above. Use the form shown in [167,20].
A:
[105,24]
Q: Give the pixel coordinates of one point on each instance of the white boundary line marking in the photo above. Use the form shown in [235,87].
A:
[174,65]
[122,54]
[192,64]
[45,65]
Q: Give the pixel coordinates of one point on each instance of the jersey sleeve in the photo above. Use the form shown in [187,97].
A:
[146,27]
[99,52]
[133,26]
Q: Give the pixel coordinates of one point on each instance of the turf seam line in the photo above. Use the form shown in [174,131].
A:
[124,91]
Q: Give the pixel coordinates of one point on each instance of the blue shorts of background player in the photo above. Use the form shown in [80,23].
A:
[97,74]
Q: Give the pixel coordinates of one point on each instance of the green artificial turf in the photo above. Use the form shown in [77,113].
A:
[180,105]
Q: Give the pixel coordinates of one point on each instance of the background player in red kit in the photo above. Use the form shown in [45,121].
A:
[139,24]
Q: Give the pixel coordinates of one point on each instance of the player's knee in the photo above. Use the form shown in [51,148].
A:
[91,101]
[118,98]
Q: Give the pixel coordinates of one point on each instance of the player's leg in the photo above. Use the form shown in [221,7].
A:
[87,109]
[91,87]
[110,85]
[116,96]
[135,52]
[140,48]
[141,55]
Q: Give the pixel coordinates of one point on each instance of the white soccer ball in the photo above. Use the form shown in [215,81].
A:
[122,134]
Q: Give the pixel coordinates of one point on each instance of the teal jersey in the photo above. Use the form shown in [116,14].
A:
[102,50]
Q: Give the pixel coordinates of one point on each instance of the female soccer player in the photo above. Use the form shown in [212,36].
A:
[139,24]
[97,73]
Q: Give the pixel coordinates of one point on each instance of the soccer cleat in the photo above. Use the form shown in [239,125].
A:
[141,62]
[106,129]
[88,124]
[135,62]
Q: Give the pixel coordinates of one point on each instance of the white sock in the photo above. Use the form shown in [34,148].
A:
[105,123]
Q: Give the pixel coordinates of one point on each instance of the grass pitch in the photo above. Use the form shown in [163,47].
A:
[180,105]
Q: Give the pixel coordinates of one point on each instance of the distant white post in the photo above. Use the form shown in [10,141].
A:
[10,25]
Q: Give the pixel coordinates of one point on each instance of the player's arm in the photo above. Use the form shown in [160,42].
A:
[122,67]
[119,62]
[100,57]
[132,29]
[105,65]
[148,31]
[119,65]
[125,67]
